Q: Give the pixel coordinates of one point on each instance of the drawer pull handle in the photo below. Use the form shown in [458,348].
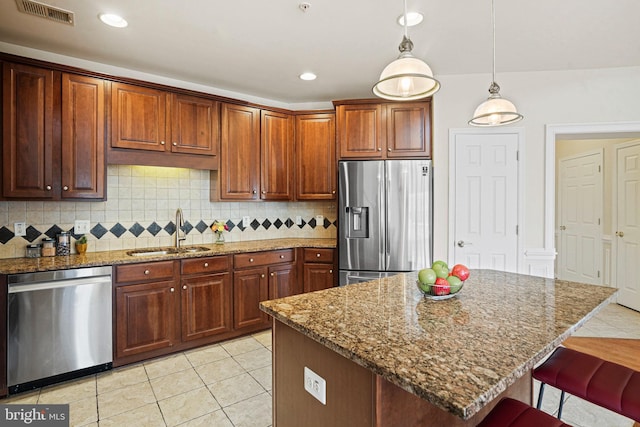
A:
[281,256]
[146,272]
[206,264]
[175,144]
[318,255]
[172,290]
[250,259]
[184,287]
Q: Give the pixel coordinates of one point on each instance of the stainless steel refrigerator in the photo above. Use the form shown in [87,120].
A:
[385,221]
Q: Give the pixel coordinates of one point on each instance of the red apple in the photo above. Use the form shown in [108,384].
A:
[460,271]
[441,287]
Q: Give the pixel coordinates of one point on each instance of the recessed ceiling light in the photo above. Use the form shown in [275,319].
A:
[308,76]
[113,20]
[413,18]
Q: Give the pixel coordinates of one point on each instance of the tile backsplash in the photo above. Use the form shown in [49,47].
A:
[140,212]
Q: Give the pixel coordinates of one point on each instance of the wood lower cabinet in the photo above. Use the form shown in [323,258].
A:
[369,129]
[315,143]
[249,288]
[319,266]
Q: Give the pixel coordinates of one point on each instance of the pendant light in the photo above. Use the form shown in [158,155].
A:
[495,111]
[407,78]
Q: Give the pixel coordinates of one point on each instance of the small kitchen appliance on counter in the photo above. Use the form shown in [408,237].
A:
[385,218]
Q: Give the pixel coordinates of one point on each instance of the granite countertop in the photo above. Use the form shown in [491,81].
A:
[93,259]
[459,353]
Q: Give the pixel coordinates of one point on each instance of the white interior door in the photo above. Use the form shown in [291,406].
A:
[485,200]
[628,225]
[580,212]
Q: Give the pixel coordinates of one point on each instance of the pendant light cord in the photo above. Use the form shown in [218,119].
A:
[405,18]
[493,26]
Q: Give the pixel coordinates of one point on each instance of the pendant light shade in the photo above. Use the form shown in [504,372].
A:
[495,111]
[407,78]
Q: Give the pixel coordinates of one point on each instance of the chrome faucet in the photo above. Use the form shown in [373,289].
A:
[179,225]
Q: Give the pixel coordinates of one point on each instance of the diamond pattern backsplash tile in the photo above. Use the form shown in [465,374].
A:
[140,212]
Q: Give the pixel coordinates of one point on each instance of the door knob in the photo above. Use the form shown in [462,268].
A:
[620,233]
[462,243]
[562,227]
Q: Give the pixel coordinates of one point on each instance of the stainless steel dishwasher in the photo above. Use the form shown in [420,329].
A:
[59,326]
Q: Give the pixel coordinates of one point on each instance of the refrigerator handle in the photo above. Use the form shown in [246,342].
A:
[383,249]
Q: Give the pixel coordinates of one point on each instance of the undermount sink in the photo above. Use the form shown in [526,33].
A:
[166,251]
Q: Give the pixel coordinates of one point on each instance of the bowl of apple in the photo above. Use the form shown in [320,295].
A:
[438,283]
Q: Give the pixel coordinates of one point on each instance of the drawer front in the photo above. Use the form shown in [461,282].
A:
[318,255]
[263,258]
[205,265]
[144,271]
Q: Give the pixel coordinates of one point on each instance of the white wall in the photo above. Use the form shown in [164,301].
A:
[557,97]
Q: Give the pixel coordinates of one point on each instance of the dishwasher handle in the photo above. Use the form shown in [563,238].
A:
[54,284]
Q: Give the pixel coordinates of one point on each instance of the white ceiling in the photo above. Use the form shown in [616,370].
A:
[259,47]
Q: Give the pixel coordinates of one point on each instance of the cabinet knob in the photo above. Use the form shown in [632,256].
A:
[250,259]
[331,271]
[379,149]
[262,275]
[255,192]
[389,149]
[48,187]
[65,188]
[172,289]
[206,264]
[184,287]
[272,274]
[161,142]
[146,272]
[281,256]
[317,255]
[333,192]
[175,144]
[264,192]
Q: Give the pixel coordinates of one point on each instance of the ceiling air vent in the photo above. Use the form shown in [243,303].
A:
[45,11]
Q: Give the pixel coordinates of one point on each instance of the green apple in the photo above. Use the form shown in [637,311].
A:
[441,263]
[426,288]
[441,270]
[427,276]
[454,283]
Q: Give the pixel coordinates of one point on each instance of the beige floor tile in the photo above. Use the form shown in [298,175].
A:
[264,376]
[205,355]
[187,406]
[84,411]
[254,359]
[69,391]
[145,416]
[168,365]
[215,419]
[263,338]
[253,412]
[176,383]
[219,370]
[579,413]
[124,400]
[121,377]
[241,345]
[28,397]
[235,389]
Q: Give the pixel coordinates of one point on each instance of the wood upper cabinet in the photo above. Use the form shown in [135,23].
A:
[276,156]
[53,134]
[315,144]
[256,154]
[155,120]
[240,152]
[384,130]
[27,131]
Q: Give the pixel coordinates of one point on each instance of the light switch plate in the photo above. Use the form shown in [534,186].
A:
[245,221]
[20,228]
[81,226]
[315,385]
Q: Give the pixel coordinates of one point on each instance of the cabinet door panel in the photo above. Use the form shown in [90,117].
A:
[206,306]
[249,288]
[138,117]
[27,131]
[283,281]
[276,147]
[360,130]
[194,125]
[318,277]
[315,157]
[408,130]
[83,147]
[145,318]
[240,156]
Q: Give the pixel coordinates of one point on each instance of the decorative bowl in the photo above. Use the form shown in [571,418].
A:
[435,292]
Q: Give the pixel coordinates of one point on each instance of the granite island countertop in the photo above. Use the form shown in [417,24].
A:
[94,259]
[457,354]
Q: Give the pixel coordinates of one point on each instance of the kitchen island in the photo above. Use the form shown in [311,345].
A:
[392,357]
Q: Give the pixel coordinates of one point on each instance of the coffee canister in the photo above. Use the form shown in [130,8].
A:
[63,244]
[48,247]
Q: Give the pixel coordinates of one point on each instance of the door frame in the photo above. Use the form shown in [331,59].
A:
[519,131]
[559,248]
[572,131]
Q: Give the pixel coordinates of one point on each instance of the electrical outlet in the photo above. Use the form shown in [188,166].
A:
[298,220]
[20,228]
[319,220]
[315,385]
[245,221]
[81,226]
